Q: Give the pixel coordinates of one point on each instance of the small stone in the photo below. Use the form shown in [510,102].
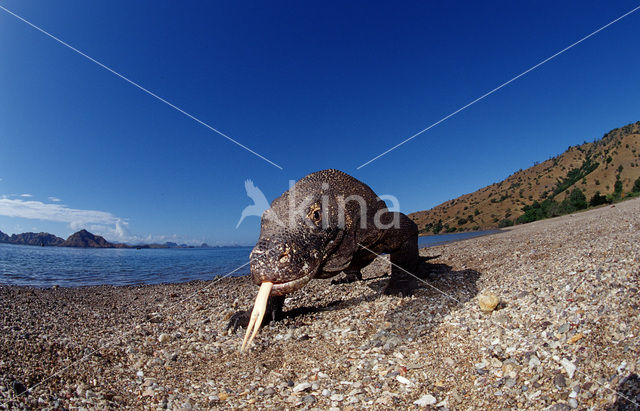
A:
[269,391]
[563,328]
[392,343]
[223,396]
[559,381]
[302,387]
[425,400]
[573,403]
[534,361]
[488,302]
[569,367]
[496,363]
[326,393]
[577,337]
[20,388]
[140,373]
[309,399]
[163,338]
[510,383]
[403,380]
[337,397]
[559,407]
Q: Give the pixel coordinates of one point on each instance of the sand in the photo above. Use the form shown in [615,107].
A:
[564,335]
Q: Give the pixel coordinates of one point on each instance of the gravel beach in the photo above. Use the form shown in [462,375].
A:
[564,335]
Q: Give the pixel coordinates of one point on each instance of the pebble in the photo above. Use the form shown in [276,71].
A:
[337,397]
[573,403]
[425,400]
[496,363]
[559,407]
[559,381]
[302,387]
[309,399]
[488,302]
[19,387]
[163,338]
[534,361]
[576,337]
[569,367]
[403,380]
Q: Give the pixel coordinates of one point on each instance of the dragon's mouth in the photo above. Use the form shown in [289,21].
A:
[290,286]
[268,288]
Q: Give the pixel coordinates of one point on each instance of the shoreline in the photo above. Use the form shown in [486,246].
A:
[565,332]
[38,279]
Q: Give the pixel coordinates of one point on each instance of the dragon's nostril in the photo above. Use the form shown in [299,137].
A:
[284,257]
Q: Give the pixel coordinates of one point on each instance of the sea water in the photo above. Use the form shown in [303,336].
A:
[71,267]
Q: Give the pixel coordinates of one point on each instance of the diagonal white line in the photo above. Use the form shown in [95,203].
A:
[133,83]
[499,87]
[545,352]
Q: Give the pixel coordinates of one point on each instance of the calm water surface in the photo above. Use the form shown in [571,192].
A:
[47,266]
[70,267]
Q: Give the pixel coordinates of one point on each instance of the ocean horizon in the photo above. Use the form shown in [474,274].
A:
[26,265]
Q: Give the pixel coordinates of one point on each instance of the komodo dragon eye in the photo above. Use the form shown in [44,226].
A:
[315,213]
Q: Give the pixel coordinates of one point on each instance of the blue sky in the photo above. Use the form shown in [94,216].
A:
[309,86]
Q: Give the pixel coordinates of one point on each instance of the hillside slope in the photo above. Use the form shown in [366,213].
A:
[85,239]
[42,239]
[591,167]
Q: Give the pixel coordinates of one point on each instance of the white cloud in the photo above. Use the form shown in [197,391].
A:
[26,195]
[100,222]
[54,199]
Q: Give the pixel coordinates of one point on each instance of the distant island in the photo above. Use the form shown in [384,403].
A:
[81,239]
[604,171]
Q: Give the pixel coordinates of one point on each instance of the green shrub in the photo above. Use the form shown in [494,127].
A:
[617,190]
[636,186]
[598,199]
[578,200]
[505,223]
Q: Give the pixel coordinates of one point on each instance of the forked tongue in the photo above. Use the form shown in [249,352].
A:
[259,309]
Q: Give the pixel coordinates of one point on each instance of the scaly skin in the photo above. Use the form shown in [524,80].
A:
[302,237]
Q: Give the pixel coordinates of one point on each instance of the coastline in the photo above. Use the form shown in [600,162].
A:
[565,332]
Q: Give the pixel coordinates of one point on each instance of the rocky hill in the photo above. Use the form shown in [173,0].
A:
[82,239]
[42,239]
[609,166]
[85,239]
